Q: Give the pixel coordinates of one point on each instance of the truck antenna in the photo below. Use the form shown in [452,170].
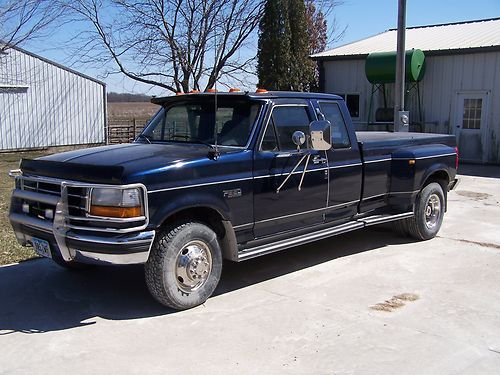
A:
[216,150]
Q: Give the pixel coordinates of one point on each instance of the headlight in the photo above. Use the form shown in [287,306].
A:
[116,202]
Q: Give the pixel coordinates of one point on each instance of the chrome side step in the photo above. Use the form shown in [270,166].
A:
[291,242]
[321,234]
[379,219]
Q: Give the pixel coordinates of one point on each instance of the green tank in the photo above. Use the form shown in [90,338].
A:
[380,67]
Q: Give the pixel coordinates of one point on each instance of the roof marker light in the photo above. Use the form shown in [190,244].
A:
[194,91]
[211,90]
[261,91]
[179,93]
[234,89]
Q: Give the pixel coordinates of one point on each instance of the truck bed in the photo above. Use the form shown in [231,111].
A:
[370,139]
[385,168]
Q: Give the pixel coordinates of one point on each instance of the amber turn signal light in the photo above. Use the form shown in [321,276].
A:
[120,212]
[211,90]
[234,89]
[261,91]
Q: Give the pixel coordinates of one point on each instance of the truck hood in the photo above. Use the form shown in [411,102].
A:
[124,163]
[127,154]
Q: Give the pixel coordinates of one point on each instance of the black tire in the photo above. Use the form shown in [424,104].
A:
[425,225]
[401,227]
[175,271]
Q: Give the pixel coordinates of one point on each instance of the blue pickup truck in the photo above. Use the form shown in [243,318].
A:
[232,176]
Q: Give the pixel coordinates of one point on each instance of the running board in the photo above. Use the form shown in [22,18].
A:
[379,219]
[321,234]
[291,242]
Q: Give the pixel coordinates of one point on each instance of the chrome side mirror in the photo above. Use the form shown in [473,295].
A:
[321,135]
[298,138]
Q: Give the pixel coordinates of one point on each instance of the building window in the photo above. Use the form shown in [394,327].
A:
[6,88]
[472,113]
[352,102]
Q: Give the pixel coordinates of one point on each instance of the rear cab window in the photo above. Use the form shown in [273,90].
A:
[332,113]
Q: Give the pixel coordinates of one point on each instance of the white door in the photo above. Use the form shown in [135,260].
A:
[470,126]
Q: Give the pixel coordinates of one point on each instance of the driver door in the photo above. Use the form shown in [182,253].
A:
[274,160]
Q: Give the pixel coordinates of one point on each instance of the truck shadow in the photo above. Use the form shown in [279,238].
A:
[39,296]
[478,170]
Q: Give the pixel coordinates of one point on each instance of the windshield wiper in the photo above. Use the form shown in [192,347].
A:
[146,137]
[201,142]
[213,154]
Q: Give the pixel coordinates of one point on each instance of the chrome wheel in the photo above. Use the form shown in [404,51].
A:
[193,266]
[432,211]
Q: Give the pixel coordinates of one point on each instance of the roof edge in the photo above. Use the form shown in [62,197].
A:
[439,52]
[17,48]
[450,23]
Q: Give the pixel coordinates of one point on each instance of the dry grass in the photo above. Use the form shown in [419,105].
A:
[395,302]
[10,250]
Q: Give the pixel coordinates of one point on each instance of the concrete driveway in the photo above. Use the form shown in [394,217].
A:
[368,302]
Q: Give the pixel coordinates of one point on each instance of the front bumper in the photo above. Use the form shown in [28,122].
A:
[69,242]
[130,248]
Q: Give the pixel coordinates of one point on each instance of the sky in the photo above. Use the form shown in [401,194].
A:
[359,18]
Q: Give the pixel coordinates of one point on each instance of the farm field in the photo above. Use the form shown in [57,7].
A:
[127,119]
[131,110]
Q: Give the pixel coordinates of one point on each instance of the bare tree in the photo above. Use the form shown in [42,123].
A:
[24,20]
[178,45]
[327,9]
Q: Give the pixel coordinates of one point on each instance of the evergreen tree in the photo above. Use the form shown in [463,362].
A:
[274,53]
[289,31]
[317,31]
[301,66]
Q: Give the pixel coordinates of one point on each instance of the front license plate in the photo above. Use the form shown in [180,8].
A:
[41,247]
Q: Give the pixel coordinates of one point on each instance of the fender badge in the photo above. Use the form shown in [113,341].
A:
[233,193]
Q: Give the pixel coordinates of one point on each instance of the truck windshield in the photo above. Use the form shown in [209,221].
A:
[194,121]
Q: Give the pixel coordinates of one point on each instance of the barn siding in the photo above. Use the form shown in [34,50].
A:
[59,107]
[445,76]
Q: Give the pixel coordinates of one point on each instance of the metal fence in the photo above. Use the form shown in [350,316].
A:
[124,130]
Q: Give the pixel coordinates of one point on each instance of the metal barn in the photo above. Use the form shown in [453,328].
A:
[44,104]
[459,92]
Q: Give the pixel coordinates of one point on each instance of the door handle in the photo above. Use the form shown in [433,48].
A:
[319,160]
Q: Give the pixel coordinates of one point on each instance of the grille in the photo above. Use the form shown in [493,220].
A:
[77,197]
[42,187]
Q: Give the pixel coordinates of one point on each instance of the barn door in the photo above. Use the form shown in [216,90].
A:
[470,126]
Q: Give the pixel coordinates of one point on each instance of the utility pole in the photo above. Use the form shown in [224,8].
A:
[401,117]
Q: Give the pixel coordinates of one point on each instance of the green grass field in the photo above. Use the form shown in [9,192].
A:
[10,250]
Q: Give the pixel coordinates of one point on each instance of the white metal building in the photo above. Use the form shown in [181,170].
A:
[44,104]
[460,90]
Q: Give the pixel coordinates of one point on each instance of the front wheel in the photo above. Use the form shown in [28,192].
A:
[428,214]
[184,266]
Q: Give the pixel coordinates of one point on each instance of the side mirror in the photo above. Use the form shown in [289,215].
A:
[321,135]
[298,138]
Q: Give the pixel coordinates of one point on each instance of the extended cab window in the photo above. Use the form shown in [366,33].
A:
[287,120]
[340,137]
[194,121]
